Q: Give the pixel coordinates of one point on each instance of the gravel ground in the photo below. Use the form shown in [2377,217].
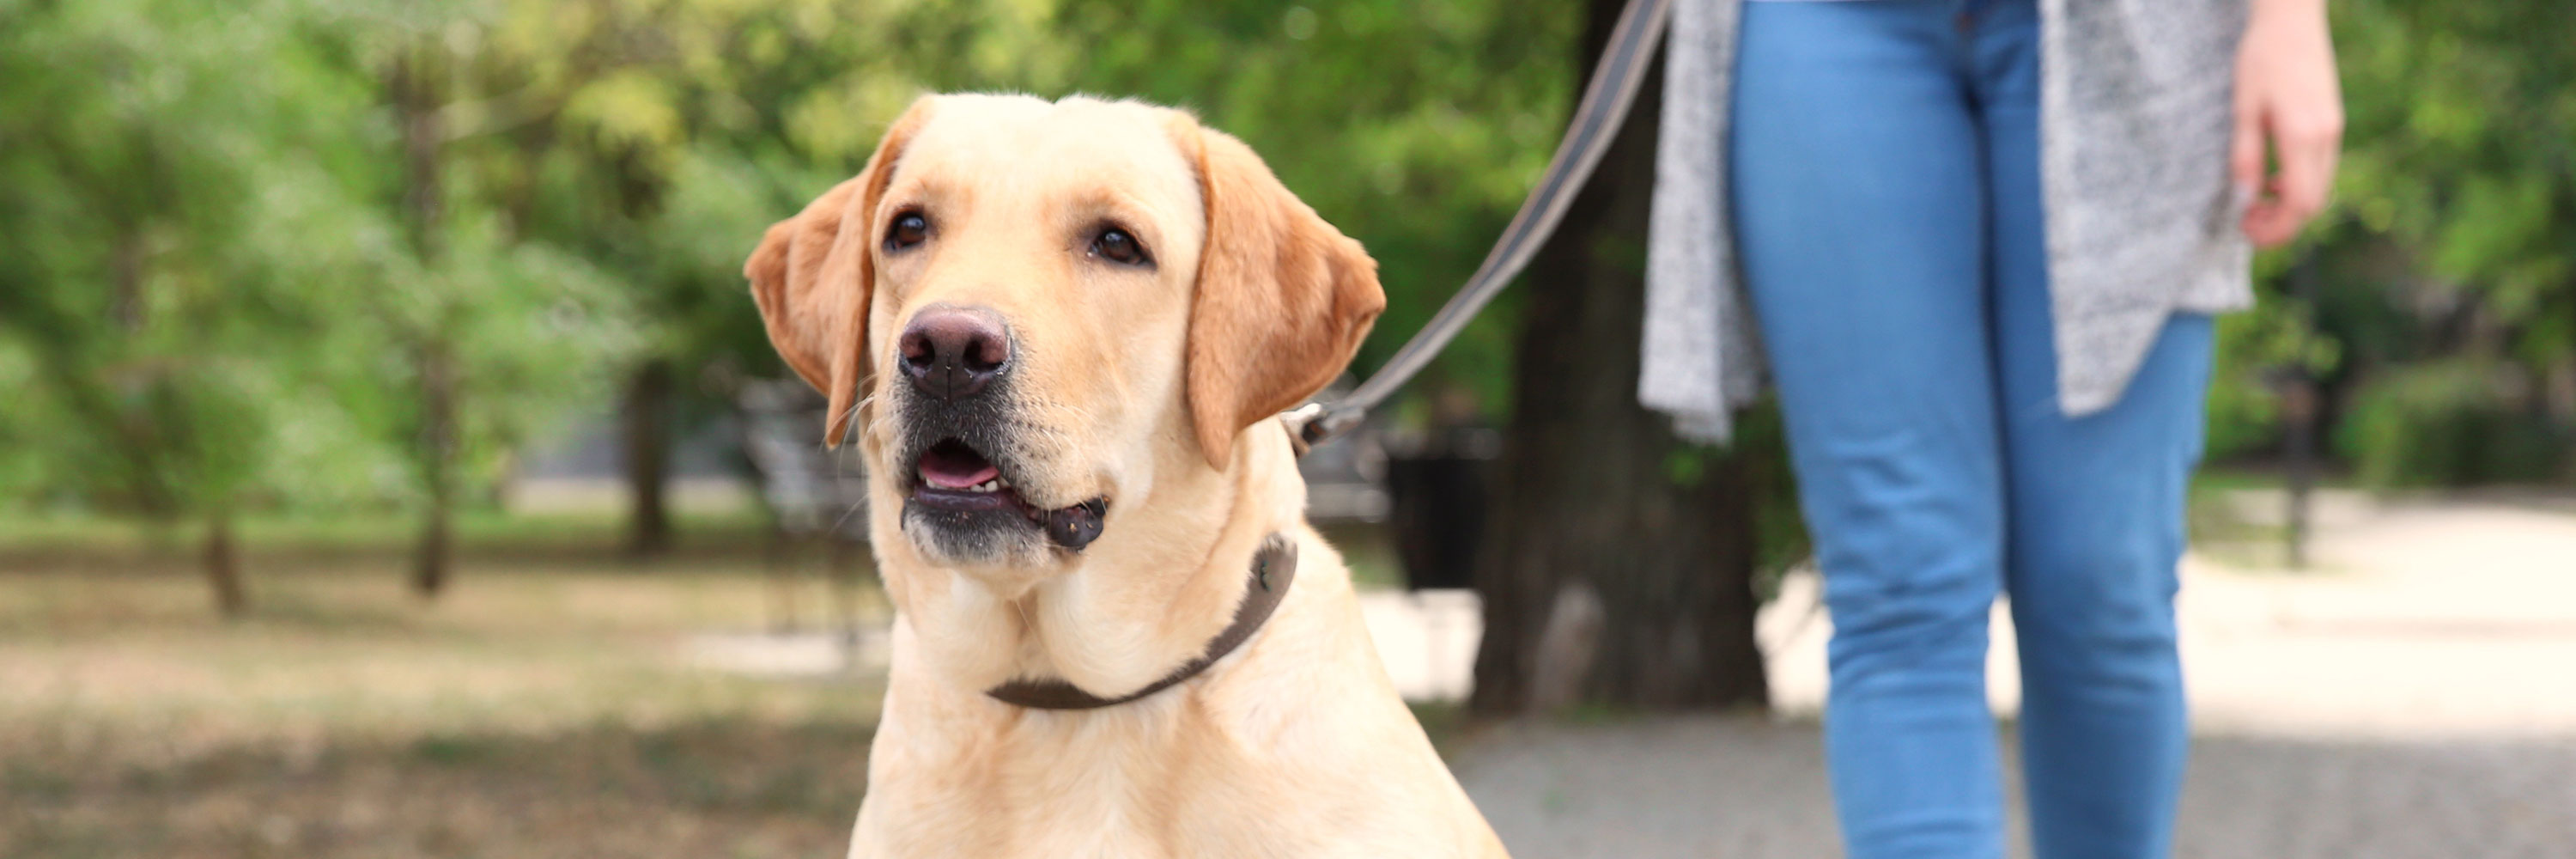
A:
[2412,698]
[1751,788]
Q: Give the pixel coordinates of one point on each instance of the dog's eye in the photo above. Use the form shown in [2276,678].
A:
[1115,245]
[908,229]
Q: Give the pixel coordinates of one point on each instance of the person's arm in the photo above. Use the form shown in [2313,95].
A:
[2286,95]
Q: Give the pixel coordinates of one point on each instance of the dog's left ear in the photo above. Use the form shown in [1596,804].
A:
[814,274]
[1282,301]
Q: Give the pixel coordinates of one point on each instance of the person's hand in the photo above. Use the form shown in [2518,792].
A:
[2287,96]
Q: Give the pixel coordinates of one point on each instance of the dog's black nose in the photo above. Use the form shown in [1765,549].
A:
[952,352]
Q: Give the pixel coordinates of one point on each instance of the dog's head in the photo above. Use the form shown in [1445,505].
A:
[1029,308]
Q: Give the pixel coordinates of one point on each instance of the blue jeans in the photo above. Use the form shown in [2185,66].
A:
[1887,203]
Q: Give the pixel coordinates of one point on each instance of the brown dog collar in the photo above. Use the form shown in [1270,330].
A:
[1272,569]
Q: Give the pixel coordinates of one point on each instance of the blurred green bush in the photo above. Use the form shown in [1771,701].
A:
[2450,422]
[2442,329]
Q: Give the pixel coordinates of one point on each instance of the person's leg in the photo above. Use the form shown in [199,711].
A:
[1859,215]
[2095,513]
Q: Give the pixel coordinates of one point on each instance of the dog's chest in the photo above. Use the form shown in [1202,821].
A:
[1144,789]
[1091,799]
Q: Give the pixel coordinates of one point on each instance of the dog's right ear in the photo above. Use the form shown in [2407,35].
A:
[1282,300]
[814,274]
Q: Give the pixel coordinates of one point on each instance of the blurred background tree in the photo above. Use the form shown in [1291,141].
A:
[184,220]
[230,286]
[1621,567]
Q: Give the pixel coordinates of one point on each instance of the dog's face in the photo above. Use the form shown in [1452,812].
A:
[1033,308]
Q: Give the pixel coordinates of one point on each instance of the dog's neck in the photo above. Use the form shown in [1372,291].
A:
[1274,569]
[1144,599]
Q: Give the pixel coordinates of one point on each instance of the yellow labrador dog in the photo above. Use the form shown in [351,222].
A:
[1064,331]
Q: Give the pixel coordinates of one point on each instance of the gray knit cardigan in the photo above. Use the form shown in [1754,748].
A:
[2141,221]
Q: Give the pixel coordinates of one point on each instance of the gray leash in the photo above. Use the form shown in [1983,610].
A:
[1606,99]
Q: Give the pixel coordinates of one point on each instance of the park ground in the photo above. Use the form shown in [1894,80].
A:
[2406,696]
[2409,695]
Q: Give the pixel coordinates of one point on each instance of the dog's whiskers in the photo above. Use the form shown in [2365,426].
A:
[856,409]
[844,518]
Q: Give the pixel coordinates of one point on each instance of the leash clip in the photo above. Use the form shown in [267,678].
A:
[1312,424]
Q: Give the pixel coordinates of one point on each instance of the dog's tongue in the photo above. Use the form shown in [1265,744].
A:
[955,467]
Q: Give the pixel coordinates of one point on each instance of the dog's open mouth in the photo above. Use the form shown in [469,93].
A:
[954,476]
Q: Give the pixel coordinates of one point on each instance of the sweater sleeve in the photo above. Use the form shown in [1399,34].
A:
[1699,359]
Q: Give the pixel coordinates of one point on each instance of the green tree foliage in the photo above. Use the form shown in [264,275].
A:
[297,255]
[177,230]
[2465,118]
[205,290]
[2444,327]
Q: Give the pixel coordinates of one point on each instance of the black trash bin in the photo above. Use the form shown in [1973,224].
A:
[1436,509]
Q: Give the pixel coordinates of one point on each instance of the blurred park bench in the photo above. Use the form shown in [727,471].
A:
[816,499]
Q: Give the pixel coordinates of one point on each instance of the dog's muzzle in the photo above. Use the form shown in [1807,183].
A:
[1076,526]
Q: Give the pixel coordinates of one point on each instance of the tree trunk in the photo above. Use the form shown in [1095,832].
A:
[1619,562]
[648,458]
[416,96]
[437,464]
[223,566]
